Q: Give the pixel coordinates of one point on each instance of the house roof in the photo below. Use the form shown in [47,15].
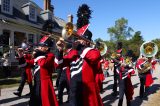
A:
[19,14]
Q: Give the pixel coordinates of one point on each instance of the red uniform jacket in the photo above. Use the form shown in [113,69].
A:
[46,64]
[28,68]
[90,69]
[67,67]
[126,74]
[99,76]
[149,79]
[23,59]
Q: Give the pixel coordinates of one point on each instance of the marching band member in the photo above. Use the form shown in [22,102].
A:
[125,84]
[84,65]
[117,60]
[100,75]
[145,76]
[106,67]
[26,75]
[64,76]
[43,93]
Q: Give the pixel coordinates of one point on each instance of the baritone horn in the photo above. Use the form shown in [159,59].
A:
[148,49]
[102,48]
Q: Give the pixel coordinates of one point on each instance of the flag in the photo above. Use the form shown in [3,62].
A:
[82,30]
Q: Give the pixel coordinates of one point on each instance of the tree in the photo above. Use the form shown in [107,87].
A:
[135,42]
[157,42]
[120,31]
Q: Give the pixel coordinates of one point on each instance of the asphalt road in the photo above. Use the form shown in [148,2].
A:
[8,99]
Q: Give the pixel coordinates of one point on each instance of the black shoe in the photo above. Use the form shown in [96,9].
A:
[17,93]
[141,96]
[28,94]
[67,101]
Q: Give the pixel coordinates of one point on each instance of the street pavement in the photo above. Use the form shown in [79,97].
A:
[8,99]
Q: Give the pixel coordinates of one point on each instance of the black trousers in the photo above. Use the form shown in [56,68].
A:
[75,98]
[63,83]
[35,98]
[115,75]
[23,81]
[59,71]
[122,91]
[142,85]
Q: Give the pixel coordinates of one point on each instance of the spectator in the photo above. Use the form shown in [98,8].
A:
[6,64]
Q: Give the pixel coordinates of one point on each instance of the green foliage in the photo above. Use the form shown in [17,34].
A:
[157,41]
[120,31]
[133,44]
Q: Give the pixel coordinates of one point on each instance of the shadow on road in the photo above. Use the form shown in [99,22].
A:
[21,104]
[153,89]
[109,99]
[3,101]
[137,102]
[155,78]
[106,82]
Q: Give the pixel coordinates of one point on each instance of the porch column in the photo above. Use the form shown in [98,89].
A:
[11,44]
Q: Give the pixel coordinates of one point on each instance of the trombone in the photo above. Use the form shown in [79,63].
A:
[68,31]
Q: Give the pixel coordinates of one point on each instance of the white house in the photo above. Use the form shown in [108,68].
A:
[20,19]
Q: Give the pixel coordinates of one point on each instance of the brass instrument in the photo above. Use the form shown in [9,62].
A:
[68,31]
[102,48]
[128,60]
[147,49]
[146,68]
[113,55]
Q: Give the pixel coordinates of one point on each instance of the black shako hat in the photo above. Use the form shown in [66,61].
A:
[129,53]
[87,35]
[45,41]
[119,47]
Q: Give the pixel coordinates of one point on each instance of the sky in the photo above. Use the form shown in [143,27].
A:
[142,15]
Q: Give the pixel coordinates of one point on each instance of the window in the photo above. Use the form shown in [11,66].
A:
[6,6]
[32,14]
[31,38]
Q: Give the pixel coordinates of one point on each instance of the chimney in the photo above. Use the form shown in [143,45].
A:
[47,4]
[70,18]
[47,13]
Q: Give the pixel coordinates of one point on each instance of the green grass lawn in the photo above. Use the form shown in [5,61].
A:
[14,81]
[10,82]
